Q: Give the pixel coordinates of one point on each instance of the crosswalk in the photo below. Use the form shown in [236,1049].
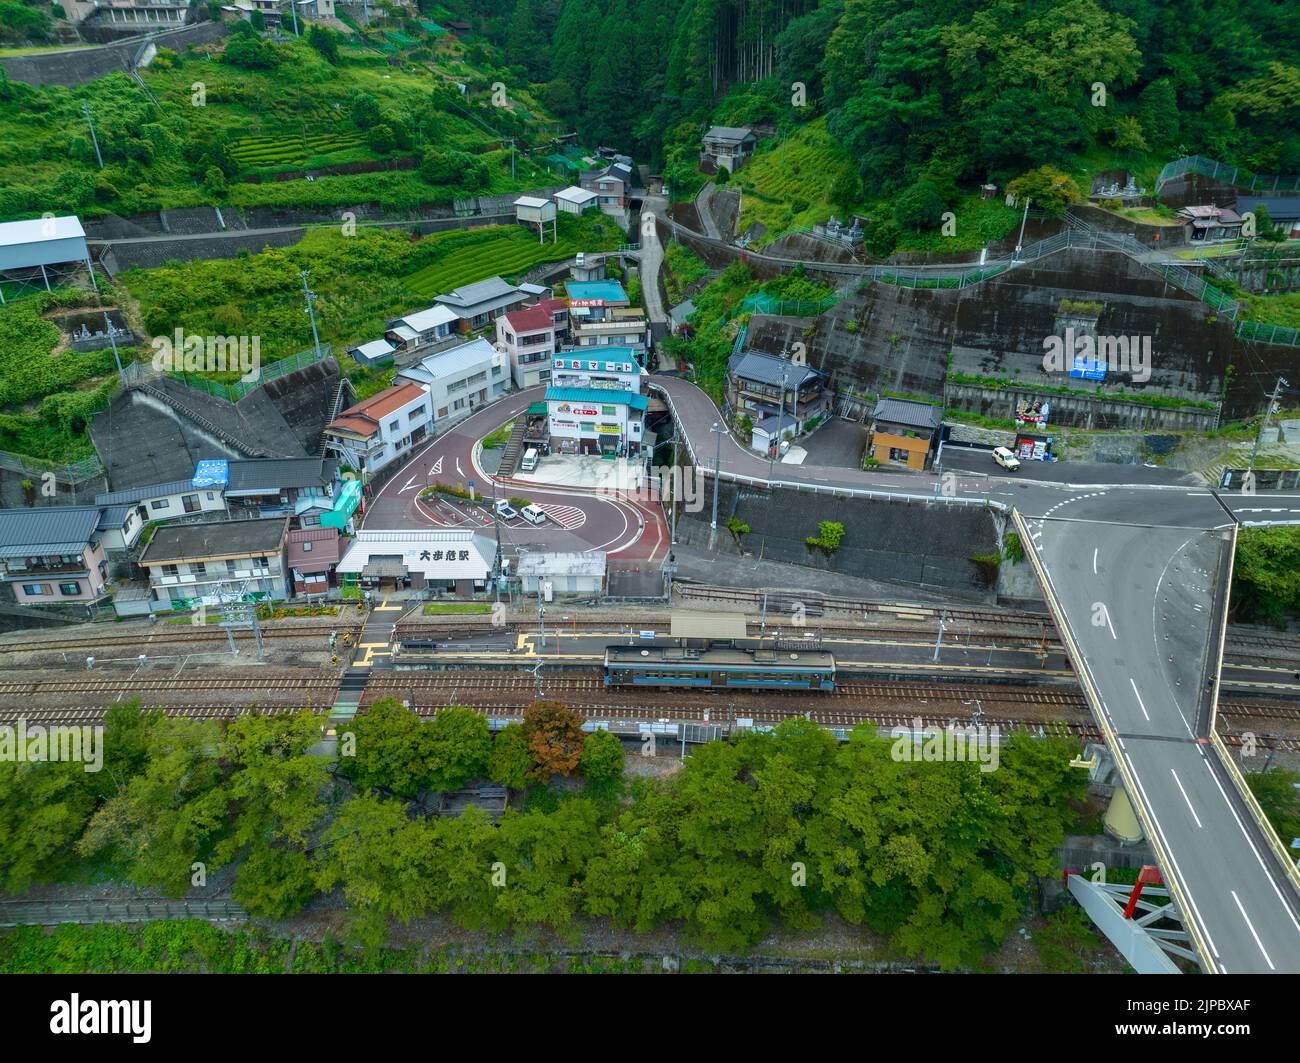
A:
[567,517]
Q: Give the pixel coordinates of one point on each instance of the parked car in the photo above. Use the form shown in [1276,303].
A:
[1006,459]
[534,514]
[506,511]
[529,462]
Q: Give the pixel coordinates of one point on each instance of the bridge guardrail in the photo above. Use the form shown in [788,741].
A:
[1256,810]
[829,489]
[1094,699]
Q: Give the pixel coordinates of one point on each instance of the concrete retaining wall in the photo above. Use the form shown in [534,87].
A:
[1080,411]
[926,544]
[80,65]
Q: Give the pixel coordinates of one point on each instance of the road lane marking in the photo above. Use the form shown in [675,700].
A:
[1249,841]
[1252,930]
[1139,697]
[1187,799]
[1094,560]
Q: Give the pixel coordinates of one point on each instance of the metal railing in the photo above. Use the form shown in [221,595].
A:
[826,489]
[1228,174]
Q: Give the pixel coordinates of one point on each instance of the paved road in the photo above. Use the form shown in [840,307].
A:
[1138,600]
[628,526]
[652,258]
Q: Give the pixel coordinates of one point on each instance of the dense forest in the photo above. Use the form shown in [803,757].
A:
[965,90]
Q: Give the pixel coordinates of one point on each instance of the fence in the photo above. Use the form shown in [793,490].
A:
[1266,333]
[75,472]
[236,391]
[1221,171]
[52,913]
[824,489]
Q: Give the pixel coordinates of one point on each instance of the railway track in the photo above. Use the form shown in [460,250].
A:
[497,693]
[181,634]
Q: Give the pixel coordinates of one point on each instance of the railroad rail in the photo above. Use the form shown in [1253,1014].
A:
[179,634]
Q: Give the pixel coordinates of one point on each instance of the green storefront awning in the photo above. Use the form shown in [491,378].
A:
[344,506]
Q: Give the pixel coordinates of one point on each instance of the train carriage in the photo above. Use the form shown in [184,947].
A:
[671,667]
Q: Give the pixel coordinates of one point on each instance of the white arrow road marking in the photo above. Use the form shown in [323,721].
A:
[406,486]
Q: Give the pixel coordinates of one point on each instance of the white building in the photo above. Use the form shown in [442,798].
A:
[424,328]
[600,314]
[615,368]
[574,200]
[595,420]
[459,380]
[558,573]
[530,337]
[384,427]
[452,561]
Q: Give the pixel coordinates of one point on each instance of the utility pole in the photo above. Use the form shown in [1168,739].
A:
[311,311]
[85,108]
[721,431]
[293,9]
[1272,408]
[108,327]
[780,418]
[1020,241]
[541,613]
[496,562]
[939,641]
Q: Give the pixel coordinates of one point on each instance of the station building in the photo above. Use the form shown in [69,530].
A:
[448,561]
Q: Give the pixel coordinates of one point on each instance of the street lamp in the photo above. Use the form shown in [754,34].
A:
[721,430]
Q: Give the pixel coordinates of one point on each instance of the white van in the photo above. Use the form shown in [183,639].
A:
[1006,459]
[529,461]
[534,514]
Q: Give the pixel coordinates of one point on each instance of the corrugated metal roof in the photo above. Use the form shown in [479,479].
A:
[145,492]
[250,473]
[596,395]
[728,133]
[39,230]
[48,529]
[908,412]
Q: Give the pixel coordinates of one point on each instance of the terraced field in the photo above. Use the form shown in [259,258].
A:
[290,149]
[505,251]
[788,186]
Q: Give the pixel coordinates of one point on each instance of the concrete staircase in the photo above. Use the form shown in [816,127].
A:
[514,446]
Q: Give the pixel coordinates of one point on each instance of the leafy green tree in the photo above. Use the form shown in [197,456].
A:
[602,757]
[1049,188]
[171,815]
[214,182]
[44,807]
[920,207]
[382,861]
[544,855]
[381,139]
[460,745]
[365,111]
[324,41]
[274,883]
[1266,573]
[511,759]
[392,749]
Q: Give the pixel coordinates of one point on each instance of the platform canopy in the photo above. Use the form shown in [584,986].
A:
[701,625]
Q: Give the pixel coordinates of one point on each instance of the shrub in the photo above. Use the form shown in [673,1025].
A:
[827,539]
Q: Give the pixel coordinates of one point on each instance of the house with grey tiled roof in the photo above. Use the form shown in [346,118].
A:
[59,554]
[728,146]
[779,396]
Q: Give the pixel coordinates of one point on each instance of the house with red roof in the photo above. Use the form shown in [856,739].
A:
[529,337]
[381,429]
